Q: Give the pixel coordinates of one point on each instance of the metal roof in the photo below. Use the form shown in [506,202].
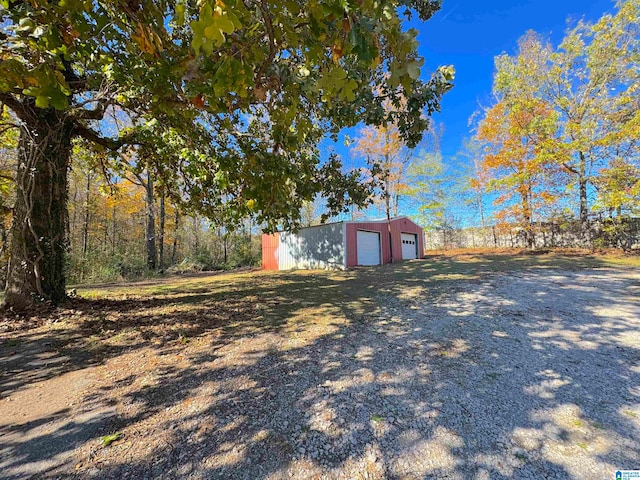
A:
[363,220]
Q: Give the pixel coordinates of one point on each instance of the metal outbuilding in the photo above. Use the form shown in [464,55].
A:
[343,244]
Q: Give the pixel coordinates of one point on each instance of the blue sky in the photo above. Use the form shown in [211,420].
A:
[470,33]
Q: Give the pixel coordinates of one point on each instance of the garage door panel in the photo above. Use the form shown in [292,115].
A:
[409,246]
[368,246]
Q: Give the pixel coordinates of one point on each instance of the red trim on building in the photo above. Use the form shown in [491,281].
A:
[270,251]
[398,226]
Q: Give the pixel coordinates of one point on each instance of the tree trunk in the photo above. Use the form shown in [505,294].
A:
[196,234]
[161,233]
[105,231]
[38,233]
[527,216]
[3,248]
[224,242]
[481,208]
[174,250]
[87,217]
[151,225]
[72,221]
[387,207]
[114,229]
[584,208]
[582,185]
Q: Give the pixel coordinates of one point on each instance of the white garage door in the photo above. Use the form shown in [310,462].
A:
[368,248]
[409,246]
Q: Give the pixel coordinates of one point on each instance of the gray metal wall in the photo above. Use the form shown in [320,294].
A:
[319,247]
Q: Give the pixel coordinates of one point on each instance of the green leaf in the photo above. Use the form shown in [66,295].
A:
[57,99]
[42,101]
[109,439]
[254,150]
[213,33]
[198,35]
[413,69]
[180,9]
[236,22]
[348,90]
[225,24]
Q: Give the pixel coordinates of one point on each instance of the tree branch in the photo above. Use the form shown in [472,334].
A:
[570,168]
[95,114]
[108,143]
[5,127]
[141,182]
[76,83]
[16,105]
[272,42]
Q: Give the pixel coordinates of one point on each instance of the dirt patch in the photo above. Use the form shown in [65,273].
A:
[446,368]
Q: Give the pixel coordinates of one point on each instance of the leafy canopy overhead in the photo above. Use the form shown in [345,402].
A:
[229,97]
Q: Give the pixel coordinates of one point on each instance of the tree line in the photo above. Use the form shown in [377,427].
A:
[561,138]
[126,227]
[555,153]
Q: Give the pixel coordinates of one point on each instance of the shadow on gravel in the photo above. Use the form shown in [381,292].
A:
[444,368]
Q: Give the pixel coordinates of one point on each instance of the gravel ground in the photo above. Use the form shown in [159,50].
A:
[529,375]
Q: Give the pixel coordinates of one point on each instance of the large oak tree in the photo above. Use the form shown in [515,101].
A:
[228,100]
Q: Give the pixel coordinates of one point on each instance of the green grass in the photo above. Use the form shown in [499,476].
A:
[302,304]
[352,292]
[432,270]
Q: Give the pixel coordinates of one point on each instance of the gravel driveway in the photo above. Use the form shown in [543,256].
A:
[533,374]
